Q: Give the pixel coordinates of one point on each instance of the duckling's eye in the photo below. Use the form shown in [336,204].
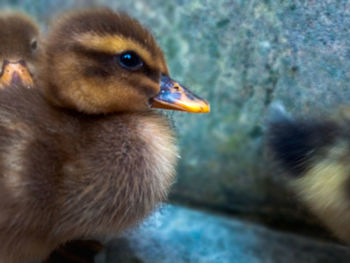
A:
[33,45]
[130,60]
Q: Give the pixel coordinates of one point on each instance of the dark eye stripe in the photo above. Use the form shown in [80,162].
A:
[152,74]
[143,87]
[97,71]
[107,64]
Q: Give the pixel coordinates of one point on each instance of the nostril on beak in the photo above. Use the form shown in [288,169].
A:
[22,62]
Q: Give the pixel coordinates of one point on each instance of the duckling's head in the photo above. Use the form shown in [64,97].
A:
[98,61]
[18,47]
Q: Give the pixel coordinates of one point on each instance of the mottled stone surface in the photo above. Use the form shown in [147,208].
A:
[179,235]
[241,55]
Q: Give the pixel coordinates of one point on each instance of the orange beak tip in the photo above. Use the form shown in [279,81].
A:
[173,96]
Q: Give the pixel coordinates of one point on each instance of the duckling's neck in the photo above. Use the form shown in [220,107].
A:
[123,168]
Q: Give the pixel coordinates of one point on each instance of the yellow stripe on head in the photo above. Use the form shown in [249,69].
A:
[115,44]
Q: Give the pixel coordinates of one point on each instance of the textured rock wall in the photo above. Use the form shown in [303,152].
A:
[241,55]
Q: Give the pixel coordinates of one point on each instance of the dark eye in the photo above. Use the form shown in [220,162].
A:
[130,60]
[33,45]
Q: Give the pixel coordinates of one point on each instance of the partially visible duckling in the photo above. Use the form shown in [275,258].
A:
[18,48]
[316,154]
[83,154]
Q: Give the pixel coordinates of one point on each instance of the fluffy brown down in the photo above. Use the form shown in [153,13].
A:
[69,174]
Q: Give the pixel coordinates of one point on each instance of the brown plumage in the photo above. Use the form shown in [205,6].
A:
[82,155]
[18,48]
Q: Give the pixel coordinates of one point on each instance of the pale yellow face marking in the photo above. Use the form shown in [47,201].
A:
[117,45]
[324,189]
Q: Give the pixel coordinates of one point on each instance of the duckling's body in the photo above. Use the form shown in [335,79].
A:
[83,176]
[82,155]
[18,48]
[316,153]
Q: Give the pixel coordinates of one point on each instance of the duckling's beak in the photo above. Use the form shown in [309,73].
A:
[15,73]
[173,96]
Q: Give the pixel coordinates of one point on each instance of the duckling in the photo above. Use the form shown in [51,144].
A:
[315,153]
[84,154]
[18,48]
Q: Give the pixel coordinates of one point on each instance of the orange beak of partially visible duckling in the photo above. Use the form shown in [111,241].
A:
[15,73]
[173,96]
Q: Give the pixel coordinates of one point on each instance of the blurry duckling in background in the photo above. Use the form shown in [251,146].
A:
[316,154]
[83,154]
[18,48]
